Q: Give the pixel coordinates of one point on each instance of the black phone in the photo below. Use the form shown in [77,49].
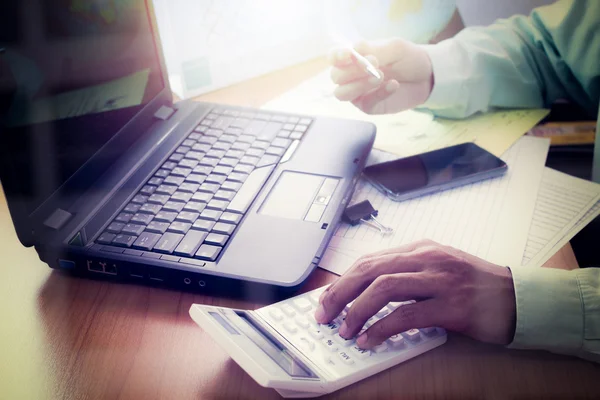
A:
[434,171]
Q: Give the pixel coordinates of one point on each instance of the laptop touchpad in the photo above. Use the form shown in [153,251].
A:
[295,194]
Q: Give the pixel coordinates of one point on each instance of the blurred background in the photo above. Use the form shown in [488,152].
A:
[210,44]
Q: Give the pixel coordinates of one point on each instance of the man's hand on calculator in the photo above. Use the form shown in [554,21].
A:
[452,289]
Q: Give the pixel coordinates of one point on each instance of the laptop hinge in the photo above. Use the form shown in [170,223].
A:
[164,113]
[58,219]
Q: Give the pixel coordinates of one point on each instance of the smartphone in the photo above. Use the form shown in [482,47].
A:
[434,171]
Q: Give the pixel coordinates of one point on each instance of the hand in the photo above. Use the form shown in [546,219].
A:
[452,289]
[407,76]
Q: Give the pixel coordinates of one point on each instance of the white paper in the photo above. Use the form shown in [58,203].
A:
[489,219]
[564,206]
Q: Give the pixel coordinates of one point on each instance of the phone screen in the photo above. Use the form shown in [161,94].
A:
[435,168]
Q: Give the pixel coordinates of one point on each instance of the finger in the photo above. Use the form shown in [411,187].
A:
[353,90]
[421,314]
[386,288]
[360,263]
[393,97]
[340,57]
[352,72]
[358,278]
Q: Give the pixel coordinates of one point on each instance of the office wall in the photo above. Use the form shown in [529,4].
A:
[484,12]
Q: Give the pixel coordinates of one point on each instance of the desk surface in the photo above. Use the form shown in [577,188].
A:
[63,337]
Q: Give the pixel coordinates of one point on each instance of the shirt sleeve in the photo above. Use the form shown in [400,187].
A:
[520,62]
[558,311]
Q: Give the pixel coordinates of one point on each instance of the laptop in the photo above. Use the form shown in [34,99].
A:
[108,178]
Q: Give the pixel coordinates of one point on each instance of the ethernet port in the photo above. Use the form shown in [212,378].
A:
[111,268]
[94,266]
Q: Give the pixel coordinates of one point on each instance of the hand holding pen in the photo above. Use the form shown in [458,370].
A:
[382,77]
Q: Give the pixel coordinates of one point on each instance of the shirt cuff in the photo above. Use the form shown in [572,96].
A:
[448,64]
[549,310]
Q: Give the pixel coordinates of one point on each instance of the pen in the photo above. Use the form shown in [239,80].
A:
[366,64]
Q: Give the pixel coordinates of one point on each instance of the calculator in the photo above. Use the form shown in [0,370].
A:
[281,346]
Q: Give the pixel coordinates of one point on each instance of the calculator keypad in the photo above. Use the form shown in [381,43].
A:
[321,343]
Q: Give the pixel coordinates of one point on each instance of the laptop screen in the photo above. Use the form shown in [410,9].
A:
[72,74]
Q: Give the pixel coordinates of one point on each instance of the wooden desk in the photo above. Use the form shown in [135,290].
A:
[63,337]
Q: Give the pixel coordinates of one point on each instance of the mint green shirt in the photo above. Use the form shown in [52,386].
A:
[531,62]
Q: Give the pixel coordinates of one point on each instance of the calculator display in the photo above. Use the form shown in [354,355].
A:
[277,351]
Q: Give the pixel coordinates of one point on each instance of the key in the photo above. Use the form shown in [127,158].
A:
[209,161]
[329,344]
[276,151]
[291,328]
[315,333]
[228,162]
[412,334]
[190,243]
[225,229]
[305,121]
[143,219]
[173,180]
[222,146]
[196,178]
[237,177]
[296,135]
[243,146]
[150,208]
[276,314]
[429,330]
[133,229]
[249,160]
[215,153]
[173,206]
[289,126]
[155,181]
[230,218]
[380,348]
[147,190]
[181,196]
[170,165]
[361,354]
[301,128]
[186,216]
[302,322]
[201,147]
[166,216]
[146,241]
[269,132]
[132,208]
[284,133]
[255,152]
[157,227]
[179,171]
[302,304]
[182,149]
[208,252]
[219,205]
[214,178]
[249,190]
[203,225]
[222,170]
[281,142]
[123,240]
[194,155]
[230,185]
[209,188]
[293,120]
[188,142]
[179,227]
[194,136]
[176,157]
[224,195]
[237,154]
[396,341]
[211,215]
[267,159]
[288,310]
[331,328]
[162,173]
[261,144]
[115,227]
[364,212]
[166,189]
[106,238]
[158,199]
[343,342]
[168,242]
[345,357]
[216,239]
[123,217]
[244,168]
[194,206]
[187,163]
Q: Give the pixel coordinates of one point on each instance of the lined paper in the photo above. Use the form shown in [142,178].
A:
[564,206]
[489,219]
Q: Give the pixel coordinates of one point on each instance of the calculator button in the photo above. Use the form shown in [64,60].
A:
[428,331]
[288,310]
[343,342]
[314,297]
[331,328]
[307,344]
[361,354]
[346,358]
[412,334]
[380,348]
[302,304]
[302,322]
[316,333]
[276,314]
[329,344]
[290,327]
[396,341]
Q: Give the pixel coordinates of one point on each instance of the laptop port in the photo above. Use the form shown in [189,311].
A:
[110,268]
[94,267]
[136,272]
[156,274]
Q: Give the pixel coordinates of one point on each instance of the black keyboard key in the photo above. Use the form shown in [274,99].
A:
[174,180]
[181,196]
[168,242]
[139,199]
[149,208]
[230,185]
[189,187]
[158,199]
[166,189]
[123,217]
[203,225]
[179,171]
[162,173]
[166,216]
[224,195]
[230,218]
[179,227]
[210,215]
[190,243]
[223,228]
[132,208]
[187,216]
[202,197]
[155,181]
[133,229]
[106,238]
[270,131]
[219,205]
[176,157]
[196,178]
[169,165]
[173,206]
[214,178]
[157,227]
[115,227]
[123,240]
[194,206]
[222,170]
[142,219]
[250,189]
[208,252]
[208,187]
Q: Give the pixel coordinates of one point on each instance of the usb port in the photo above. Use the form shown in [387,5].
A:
[156,274]
[95,267]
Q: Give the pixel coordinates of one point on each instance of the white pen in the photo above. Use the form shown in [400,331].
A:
[366,64]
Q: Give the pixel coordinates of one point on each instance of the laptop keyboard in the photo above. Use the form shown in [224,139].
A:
[194,202]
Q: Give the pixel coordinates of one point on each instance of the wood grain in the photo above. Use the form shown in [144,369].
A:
[63,337]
